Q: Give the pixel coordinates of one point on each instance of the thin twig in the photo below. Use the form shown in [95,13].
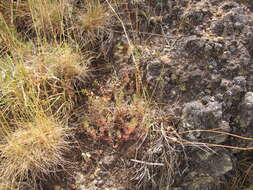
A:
[138,77]
[147,163]
[219,132]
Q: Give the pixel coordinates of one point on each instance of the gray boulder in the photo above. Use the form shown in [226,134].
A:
[197,118]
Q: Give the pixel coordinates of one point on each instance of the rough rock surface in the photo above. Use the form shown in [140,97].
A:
[245,118]
[207,67]
[197,116]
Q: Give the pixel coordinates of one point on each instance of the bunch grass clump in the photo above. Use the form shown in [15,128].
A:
[60,61]
[45,18]
[93,21]
[34,150]
[46,75]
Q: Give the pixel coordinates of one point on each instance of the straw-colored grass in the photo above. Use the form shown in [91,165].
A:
[34,150]
[46,75]
[45,18]
[93,20]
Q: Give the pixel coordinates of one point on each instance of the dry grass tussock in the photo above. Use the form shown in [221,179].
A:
[95,17]
[5,185]
[42,17]
[46,75]
[48,16]
[60,61]
[92,25]
[34,150]
[37,81]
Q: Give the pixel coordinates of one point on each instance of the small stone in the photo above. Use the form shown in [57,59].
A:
[165,59]
[108,160]
[99,183]
[225,83]
[57,187]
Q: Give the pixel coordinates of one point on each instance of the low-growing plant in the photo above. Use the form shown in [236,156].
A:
[118,121]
